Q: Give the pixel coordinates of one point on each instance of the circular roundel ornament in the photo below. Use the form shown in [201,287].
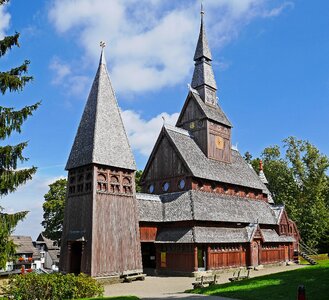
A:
[219,142]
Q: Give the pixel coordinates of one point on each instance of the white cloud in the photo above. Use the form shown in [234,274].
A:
[151,42]
[74,84]
[4,20]
[142,133]
[274,12]
[60,69]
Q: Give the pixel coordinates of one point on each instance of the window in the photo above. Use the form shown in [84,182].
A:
[151,188]
[165,187]
[181,184]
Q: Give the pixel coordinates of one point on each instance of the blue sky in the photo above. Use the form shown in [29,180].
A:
[270,60]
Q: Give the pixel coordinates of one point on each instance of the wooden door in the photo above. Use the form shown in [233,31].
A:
[255,254]
[75,258]
[286,252]
[201,258]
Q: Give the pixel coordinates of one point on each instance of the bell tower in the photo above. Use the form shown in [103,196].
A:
[201,114]
[101,232]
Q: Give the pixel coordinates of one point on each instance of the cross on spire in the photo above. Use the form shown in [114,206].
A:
[102,61]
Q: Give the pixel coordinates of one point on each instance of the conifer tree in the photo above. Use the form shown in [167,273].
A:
[11,120]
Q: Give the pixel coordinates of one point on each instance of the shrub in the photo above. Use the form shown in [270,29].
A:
[54,286]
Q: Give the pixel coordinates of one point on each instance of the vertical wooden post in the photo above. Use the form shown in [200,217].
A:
[68,257]
[208,266]
[195,258]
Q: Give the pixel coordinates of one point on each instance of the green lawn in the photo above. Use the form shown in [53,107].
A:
[277,286]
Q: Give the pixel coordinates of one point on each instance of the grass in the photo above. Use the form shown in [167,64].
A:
[276,286]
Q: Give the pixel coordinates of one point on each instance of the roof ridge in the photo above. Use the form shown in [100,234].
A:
[177,129]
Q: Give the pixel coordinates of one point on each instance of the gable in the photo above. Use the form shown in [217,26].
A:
[164,162]
[191,111]
[284,218]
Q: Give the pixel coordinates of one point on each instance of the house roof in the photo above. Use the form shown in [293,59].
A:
[202,234]
[270,235]
[203,206]
[50,244]
[24,245]
[237,172]
[101,137]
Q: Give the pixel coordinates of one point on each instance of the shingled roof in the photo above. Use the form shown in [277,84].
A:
[211,112]
[237,172]
[203,234]
[203,206]
[101,137]
[24,245]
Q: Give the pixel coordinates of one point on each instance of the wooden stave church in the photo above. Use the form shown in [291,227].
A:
[202,207]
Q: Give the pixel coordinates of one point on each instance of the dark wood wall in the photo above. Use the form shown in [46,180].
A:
[106,216]
[78,218]
[175,257]
[219,142]
[193,120]
[165,167]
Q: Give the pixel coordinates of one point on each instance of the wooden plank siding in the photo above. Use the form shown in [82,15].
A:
[148,233]
[116,244]
[78,221]
[225,257]
[178,258]
[273,254]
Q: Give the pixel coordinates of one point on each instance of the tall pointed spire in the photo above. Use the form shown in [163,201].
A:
[203,77]
[101,137]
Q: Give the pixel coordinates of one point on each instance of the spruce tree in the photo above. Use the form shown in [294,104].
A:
[11,120]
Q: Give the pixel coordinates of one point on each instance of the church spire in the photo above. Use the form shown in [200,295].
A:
[203,77]
[101,137]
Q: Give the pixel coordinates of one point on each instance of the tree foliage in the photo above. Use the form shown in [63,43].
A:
[53,209]
[298,179]
[138,177]
[11,120]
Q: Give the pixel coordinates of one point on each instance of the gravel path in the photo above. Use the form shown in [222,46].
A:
[154,288]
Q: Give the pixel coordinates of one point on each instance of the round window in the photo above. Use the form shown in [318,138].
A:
[165,186]
[181,184]
[151,188]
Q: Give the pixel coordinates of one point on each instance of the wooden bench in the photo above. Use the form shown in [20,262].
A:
[131,277]
[204,280]
[240,274]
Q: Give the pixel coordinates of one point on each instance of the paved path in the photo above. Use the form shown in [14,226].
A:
[154,288]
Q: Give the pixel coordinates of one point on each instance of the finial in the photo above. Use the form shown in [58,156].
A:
[102,61]
[202,11]
[163,120]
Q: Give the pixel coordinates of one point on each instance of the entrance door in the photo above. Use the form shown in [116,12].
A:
[286,252]
[75,258]
[201,259]
[148,255]
[255,254]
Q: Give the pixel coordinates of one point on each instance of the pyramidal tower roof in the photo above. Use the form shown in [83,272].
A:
[101,137]
[203,77]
